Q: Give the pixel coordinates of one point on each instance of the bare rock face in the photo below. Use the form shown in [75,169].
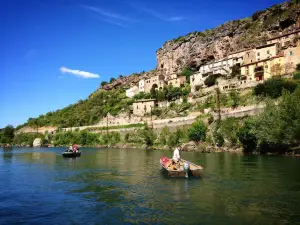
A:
[197,48]
[190,146]
[37,142]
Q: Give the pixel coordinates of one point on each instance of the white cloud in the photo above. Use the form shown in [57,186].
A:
[79,73]
[163,17]
[106,13]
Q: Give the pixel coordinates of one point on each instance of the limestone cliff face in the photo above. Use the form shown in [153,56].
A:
[197,48]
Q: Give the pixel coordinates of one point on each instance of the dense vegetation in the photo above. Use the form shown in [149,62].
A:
[86,112]
[273,88]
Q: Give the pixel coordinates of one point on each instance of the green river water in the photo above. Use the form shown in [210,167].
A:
[126,186]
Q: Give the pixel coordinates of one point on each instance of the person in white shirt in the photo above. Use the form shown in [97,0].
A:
[176,156]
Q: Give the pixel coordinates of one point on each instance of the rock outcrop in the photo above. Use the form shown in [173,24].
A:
[196,48]
[37,142]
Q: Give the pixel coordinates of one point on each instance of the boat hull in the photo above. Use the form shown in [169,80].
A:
[194,171]
[71,154]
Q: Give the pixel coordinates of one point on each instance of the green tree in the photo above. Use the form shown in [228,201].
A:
[198,131]
[103,83]
[148,136]
[7,135]
[247,137]
[164,135]
[236,71]
[279,125]
[112,80]
[187,72]
[210,80]
[273,88]
[235,98]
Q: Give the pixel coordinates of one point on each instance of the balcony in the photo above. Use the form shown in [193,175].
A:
[259,69]
[259,74]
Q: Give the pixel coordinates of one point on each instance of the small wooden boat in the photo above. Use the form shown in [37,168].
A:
[184,169]
[71,154]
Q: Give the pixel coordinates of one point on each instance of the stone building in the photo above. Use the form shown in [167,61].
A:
[196,81]
[154,82]
[292,58]
[285,40]
[176,81]
[238,56]
[131,92]
[249,57]
[142,86]
[141,107]
[222,66]
[264,69]
[266,51]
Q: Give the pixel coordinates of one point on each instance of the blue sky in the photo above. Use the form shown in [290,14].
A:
[56,52]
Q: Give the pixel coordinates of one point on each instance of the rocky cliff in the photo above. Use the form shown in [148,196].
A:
[196,48]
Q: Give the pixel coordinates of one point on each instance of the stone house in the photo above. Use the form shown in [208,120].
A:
[142,86]
[238,56]
[264,69]
[154,82]
[196,81]
[292,58]
[141,107]
[249,57]
[177,81]
[222,66]
[285,40]
[131,92]
[266,51]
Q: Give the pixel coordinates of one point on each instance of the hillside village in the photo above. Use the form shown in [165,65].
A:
[279,56]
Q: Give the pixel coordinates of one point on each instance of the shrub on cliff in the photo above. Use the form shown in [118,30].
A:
[273,88]
[211,80]
[187,72]
[103,83]
[236,71]
[256,15]
[198,131]
[296,75]
[298,67]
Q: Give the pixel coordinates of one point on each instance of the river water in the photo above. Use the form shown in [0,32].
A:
[120,186]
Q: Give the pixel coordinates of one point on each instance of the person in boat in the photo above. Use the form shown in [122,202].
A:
[75,148]
[70,148]
[176,158]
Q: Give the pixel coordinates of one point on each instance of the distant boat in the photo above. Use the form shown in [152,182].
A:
[73,151]
[186,168]
[71,154]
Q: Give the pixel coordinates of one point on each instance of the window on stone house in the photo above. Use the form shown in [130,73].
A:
[258,54]
[291,53]
[268,52]
[145,108]
[137,107]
